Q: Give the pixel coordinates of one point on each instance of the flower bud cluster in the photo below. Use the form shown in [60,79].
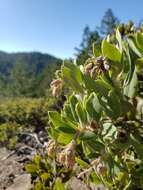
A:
[67,156]
[51,148]
[96,66]
[56,87]
[126,29]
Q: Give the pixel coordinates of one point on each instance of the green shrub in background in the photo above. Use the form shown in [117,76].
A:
[100,129]
[19,115]
[9,135]
[50,176]
[31,115]
[25,111]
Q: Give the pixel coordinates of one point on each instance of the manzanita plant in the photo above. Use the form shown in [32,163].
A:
[99,133]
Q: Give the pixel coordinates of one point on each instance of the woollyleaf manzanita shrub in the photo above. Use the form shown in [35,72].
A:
[98,135]
[100,127]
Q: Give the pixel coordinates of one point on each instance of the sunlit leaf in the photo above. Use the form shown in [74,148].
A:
[59,185]
[110,51]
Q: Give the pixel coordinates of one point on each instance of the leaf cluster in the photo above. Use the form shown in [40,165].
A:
[103,115]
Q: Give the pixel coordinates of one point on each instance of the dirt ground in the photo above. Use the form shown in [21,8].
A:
[13,176]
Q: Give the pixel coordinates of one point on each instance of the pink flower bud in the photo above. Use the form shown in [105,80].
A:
[56,91]
[56,82]
[62,157]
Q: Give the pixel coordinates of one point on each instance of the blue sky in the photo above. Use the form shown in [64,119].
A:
[56,26]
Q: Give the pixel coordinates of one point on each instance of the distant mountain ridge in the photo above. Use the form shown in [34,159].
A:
[26,74]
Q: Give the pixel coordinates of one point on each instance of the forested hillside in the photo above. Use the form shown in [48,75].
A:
[26,74]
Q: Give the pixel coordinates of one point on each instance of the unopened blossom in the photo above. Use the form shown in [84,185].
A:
[51,148]
[96,66]
[56,87]
[67,156]
[89,67]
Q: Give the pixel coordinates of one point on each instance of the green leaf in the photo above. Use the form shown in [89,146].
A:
[96,51]
[141,181]
[93,106]
[82,163]
[89,83]
[72,76]
[86,149]
[95,145]
[99,86]
[111,105]
[110,51]
[131,88]
[108,80]
[131,66]
[111,165]
[68,130]
[75,70]
[64,138]
[102,88]
[31,168]
[109,131]
[69,122]
[38,186]
[53,133]
[71,80]
[126,107]
[119,38]
[44,176]
[55,118]
[59,124]
[73,101]
[137,145]
[134,48]
[114,103]
[67,112]
[95,179]
[87,135]
[80,113]
[139,64]
[59,185]
[37,160]
[139,40]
